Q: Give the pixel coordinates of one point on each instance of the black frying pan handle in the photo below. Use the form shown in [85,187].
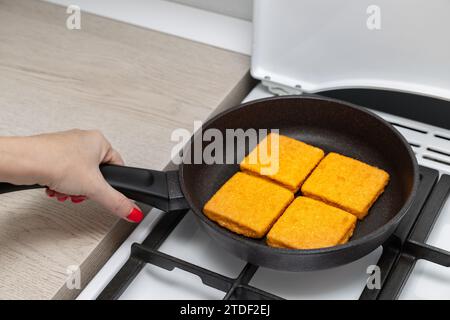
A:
[8,187]
[160,189]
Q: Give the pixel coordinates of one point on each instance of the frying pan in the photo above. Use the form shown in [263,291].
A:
[323,122]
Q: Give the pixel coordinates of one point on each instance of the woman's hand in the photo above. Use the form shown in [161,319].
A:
[68,164]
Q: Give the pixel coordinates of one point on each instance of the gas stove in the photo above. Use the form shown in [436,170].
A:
[168,256]
[304,47]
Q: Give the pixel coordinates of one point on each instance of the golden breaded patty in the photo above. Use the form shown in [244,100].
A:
[346,183]
[291,165]
[248,205]
[311,224]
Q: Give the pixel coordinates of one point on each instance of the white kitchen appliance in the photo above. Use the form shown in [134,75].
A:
[311,46]
[303,47]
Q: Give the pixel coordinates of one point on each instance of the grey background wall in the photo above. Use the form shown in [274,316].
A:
[235,8]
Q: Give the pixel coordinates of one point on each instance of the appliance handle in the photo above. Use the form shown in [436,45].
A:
[160,189]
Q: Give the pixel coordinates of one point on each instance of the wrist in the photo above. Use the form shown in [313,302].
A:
[21,161]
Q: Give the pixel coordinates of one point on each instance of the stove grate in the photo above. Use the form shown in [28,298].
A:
[415,247]
[400,253]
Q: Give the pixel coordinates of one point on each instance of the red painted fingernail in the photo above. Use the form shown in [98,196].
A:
[135,215]
[77,199]
[62,199]
[50,193]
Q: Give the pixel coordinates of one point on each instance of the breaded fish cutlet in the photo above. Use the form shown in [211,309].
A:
[346,183]
[311,224]
[248,205]
[293,163]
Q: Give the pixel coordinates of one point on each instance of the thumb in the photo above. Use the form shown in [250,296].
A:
[115,202]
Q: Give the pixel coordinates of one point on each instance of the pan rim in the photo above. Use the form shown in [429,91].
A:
[353,243]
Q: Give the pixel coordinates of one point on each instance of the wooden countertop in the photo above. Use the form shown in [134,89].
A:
[135,85]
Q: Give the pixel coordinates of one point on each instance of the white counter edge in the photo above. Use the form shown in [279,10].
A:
[172,18]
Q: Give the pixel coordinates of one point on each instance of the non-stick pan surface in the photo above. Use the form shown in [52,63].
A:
[332,126]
